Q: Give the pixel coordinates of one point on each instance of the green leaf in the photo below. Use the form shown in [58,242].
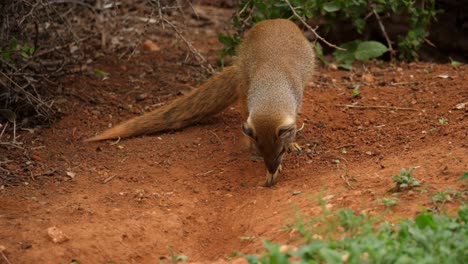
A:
[454,62]
[369,49]
[331,7]
[100,72]
[13,44]
[346,56]
[343,66]
[355,92]
[463,177]
[252,259]
[225,39]
[330,255]
[463,213]
[425,220]
[181,258]
[319,52]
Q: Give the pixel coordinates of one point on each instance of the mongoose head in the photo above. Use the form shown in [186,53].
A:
[272,139]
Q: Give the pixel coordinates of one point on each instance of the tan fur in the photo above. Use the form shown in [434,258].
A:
[274,62]
[208,99]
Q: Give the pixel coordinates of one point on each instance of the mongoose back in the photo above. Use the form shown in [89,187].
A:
[274,62]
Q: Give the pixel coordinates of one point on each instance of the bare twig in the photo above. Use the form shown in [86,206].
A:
[310,28]
[115,142]
[403,83]
[30,96]
[108,179]
[5,258]
[219,140]
[345,179]
[198,56]
[378,107]
[384,32]
[346,146]
[3,130]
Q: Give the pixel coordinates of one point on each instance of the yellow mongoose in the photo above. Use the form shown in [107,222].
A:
[274,62]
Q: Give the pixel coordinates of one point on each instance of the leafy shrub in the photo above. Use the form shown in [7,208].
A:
[333,12]
[428,238]
[405,180]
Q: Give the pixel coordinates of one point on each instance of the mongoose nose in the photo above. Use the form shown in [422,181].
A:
[272,166]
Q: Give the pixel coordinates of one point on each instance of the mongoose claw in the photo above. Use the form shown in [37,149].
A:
[294,147]
[271,177]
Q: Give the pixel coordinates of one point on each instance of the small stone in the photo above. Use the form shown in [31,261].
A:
[151,46]
[288,248]
[36,157]
[71,174]
[141,97]
[461,106]
[56,235]
[368,78]
[25,245]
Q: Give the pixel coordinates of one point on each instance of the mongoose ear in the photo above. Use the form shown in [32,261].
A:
[247,130]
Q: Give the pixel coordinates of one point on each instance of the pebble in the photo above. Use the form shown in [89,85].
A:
[151,46]
[56,235]
[368,78]
[141,97]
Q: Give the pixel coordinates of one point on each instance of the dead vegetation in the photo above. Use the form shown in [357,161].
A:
[43,41]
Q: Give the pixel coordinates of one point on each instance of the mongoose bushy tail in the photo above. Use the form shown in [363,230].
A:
[206,100]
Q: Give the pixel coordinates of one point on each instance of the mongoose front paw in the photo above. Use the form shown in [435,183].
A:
[294,147]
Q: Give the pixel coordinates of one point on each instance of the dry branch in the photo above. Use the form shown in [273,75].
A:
[378,107]
[310,28]
[384,32]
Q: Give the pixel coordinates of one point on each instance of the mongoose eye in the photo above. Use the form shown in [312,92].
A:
[247,130]
[282,132]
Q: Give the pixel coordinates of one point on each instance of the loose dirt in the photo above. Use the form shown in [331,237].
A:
[198,191]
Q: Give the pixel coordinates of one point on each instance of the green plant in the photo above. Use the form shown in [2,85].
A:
[443,121]
[404,180]
[230,43]
[428,238]
[174,258]
[389,202]
[445,196]
[358,51]
[333,12]
[356,92]
[464,176]
[455,63]
[13,47]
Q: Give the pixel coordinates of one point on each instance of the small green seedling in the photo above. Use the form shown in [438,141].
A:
[389,202]
[443,121]
[463,177]
[356,92]
[174,258]
[455,63]
[100,72]
[445,196]
[405,180]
